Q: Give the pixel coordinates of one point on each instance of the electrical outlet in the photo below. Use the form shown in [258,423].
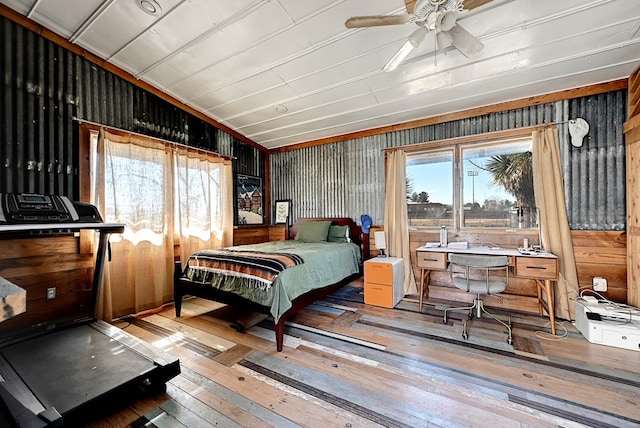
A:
[599,284]
[51,293]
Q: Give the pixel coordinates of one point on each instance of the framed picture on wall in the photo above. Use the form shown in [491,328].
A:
[282,212]
[249,200]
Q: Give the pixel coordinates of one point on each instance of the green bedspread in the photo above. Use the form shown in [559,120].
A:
[325,263]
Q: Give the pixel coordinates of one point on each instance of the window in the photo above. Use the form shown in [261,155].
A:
[430,195]
[472,185]
[168,197]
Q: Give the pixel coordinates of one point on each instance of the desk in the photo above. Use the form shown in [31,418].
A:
[541,267]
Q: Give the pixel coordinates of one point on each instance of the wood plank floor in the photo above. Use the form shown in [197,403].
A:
[346,364]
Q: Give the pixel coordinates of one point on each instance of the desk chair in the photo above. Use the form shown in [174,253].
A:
[465,269]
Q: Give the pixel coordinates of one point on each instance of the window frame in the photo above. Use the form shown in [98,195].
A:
[456,144]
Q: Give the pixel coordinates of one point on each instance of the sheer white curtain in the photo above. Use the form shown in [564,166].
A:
[204,201]
[396,220]
[134,187]
[139,182]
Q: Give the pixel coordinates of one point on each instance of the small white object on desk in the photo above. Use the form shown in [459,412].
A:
[463,245]
[432,245]
[14,299]
[444,239]
[532,252]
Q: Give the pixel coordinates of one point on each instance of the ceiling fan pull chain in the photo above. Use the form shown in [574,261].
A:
[435,51]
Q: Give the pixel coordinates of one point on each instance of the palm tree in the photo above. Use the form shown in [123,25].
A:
[409,184]
[514,172]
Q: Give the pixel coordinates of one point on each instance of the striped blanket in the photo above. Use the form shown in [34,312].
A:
[260,269]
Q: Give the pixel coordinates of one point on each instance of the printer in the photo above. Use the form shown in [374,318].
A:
[608,323]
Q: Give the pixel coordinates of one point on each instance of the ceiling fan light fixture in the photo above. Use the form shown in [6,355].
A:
[418,36]
[152,7]
[446,20]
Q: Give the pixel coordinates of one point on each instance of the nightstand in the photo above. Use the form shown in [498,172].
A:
[383,281]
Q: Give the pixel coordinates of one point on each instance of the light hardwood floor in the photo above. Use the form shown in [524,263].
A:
[346,364]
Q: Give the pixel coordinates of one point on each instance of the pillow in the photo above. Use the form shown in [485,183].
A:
[338,234]
[313,231]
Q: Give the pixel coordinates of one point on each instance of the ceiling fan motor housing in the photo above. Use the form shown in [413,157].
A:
[424,8]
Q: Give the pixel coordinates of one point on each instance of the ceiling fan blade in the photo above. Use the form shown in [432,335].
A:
[472,4]
[412,42]
[377,20]
[464,41]
[399,56]
[443,39]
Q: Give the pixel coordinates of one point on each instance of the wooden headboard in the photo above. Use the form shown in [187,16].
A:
[355,231]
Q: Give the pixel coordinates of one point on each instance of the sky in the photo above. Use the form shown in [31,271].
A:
[439,180]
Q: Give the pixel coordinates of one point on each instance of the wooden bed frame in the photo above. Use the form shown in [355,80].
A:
[182,286]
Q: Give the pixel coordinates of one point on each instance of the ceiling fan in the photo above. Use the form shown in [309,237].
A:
[439,16]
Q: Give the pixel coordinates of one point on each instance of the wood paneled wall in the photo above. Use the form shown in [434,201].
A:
[598,253]
[255,235]
[602,253]
[42,262]
[37,264]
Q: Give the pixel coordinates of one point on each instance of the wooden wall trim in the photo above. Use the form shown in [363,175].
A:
[465,114]
[632,155]
[634,94]
[34,27]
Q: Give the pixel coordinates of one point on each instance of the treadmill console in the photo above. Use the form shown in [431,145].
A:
[17,208]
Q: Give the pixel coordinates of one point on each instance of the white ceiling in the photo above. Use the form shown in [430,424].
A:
[282,72]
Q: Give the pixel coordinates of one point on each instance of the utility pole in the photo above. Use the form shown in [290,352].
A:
[473,174]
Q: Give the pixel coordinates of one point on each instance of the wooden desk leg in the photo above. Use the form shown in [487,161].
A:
[422,273]
[550,306]
[548,293]
[539,289]
[421,289]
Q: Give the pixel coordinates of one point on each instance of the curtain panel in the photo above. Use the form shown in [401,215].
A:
[165,196]
[554,224]
[396,220]
[204,217]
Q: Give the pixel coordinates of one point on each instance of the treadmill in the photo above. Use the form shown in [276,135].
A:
[50,373]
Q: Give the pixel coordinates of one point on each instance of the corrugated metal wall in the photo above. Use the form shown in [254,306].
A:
[347,178]
[595,173]
[45,86]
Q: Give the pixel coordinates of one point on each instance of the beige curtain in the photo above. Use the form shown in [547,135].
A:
[134,187]
[164,196]
[554,224]
[205,201]
[396,222]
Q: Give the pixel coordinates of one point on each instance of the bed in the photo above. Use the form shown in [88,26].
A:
[277,278]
